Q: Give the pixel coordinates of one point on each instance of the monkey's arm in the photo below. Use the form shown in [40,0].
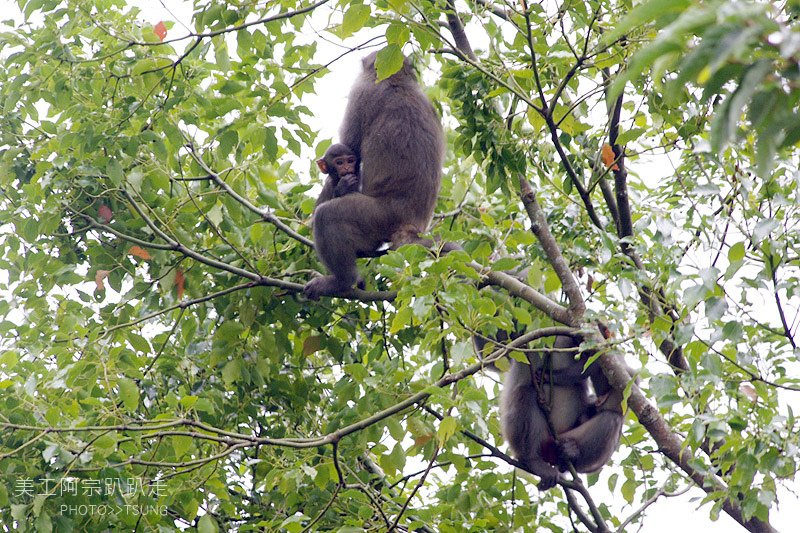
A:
[525,426]
[568,376]
[347,184]
[591,444]
[328,192]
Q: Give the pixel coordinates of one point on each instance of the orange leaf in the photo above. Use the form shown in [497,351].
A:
[160,30]
[139,252]
[179,282]
[99,276]
[608,157]
[105,214]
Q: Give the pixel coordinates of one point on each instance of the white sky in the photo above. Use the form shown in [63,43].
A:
[667,515]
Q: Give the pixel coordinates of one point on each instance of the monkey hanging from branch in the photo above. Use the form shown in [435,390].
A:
[575,427]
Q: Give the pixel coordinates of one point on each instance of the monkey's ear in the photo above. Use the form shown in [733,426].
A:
[323,166]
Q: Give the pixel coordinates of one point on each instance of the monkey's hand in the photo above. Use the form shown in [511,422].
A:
[347,184]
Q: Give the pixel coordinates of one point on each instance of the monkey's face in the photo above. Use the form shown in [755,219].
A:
[344,165]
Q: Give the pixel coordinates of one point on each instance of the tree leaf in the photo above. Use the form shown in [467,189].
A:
[354,18]
[129,393]
[160,30]
[389,61]
[138,251]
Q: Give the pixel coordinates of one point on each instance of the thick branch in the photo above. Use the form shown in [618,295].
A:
[541,302]
[457,29]
[551,249]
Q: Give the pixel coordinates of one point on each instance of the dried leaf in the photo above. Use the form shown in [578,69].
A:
[140,252]
[105,214]
[604,331]
[179,282]
[160,30]
[99,276]
[422,440]
[608,157]
[749,391]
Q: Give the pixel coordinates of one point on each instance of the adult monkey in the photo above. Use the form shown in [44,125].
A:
[589,445]
[394,131]
[524,423]
[587,429]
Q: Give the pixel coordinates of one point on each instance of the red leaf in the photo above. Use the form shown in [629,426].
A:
[140,252]
[179,282]
[160,30]
[105,214]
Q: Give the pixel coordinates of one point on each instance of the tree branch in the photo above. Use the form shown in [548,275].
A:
[540,228]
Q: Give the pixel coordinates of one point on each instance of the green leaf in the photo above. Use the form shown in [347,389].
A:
[732,331]
[397,33]
[642,14]
[551,281]
[629,490]
[114,171]
[221,54]
[129,393]
[8,360]
[227,140]
[506,263]
[207,524]
[447,428]
[43,523]
[181,444]
[389,61]
[630,135]
[354,19]
[733,112]
[231,372]
[736,252]
[188,401]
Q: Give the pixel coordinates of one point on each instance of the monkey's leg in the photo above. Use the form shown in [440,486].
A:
[343,228]
[590,445]
[410,235]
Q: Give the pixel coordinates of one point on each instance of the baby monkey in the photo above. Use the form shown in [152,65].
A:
[341,165]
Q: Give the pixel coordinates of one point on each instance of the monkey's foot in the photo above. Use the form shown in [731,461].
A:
[328,286]
[548,479]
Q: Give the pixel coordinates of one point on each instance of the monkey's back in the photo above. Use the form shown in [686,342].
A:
[398,136]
